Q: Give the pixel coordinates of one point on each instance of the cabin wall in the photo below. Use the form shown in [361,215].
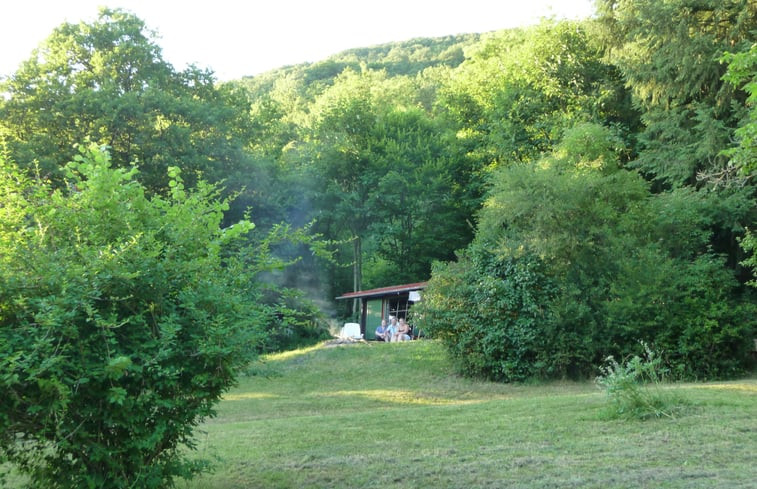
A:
[373,317]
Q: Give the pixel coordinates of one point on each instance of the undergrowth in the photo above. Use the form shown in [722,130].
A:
[636,388]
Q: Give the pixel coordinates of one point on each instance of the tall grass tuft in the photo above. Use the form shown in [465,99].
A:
[636,387]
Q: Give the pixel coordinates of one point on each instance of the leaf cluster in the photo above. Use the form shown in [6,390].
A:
[107,82]
[669,55]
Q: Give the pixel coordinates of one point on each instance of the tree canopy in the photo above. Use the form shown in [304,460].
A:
[107,82]
[576,259]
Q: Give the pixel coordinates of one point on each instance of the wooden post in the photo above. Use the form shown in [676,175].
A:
[364,316]
[357,270]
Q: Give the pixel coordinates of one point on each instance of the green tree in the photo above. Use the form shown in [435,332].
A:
[123,319]
[519,89]
[107,82]
[584,254]
[420,199]
[742,72]
[669,53]
[344,117]
[387,177]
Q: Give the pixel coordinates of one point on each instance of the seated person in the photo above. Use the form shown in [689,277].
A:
[382,332]
[392,329]
[403,331]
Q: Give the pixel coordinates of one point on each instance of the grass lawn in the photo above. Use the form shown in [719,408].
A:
[394,415]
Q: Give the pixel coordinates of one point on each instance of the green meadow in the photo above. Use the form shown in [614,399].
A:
[396,415]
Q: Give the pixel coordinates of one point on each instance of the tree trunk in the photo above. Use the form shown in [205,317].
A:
[357,272]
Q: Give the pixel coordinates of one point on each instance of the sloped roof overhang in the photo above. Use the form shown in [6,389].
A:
[383,291]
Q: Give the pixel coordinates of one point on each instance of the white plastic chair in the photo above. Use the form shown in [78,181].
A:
[351,330]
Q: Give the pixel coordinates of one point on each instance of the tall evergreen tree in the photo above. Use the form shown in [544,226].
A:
[669,52]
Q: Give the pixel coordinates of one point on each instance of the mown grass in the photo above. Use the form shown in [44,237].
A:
[395,415]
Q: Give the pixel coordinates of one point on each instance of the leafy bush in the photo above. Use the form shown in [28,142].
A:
[603,260]
[292,321]
[123,319]
[636,387]
[489,310]
[749,244]
[688,308]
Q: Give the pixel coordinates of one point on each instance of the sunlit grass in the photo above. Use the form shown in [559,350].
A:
[397,416]
[403,397]
[752,387]
[288,355]
[241,396]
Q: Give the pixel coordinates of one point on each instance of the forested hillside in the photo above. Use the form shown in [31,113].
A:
[398,58]
[613,158]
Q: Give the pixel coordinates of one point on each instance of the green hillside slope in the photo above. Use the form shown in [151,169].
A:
[402,58]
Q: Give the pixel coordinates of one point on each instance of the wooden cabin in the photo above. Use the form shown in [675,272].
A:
[378,304]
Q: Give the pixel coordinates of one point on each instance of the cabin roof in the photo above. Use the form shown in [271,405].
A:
[383,291]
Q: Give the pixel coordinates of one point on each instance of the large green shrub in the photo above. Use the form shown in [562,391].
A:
[616,265]
[490,310]
[691,310]
[123,319]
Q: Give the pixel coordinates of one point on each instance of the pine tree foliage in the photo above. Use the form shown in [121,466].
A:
[669,52]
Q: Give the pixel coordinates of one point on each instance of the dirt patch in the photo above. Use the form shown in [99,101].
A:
[344,341]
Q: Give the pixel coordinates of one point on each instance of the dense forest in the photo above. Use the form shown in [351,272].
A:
[615,154]
[570,190]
